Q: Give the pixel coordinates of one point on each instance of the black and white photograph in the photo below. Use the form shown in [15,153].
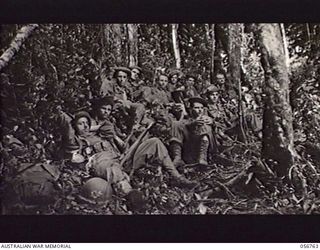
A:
[160,119]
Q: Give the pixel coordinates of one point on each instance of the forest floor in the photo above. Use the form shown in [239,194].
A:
[222,189]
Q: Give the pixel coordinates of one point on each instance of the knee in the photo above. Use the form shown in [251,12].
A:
[154,141]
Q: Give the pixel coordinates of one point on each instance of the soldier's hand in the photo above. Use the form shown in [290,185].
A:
[207,120]
[181,88]
[125,103]
[199,121]
[204,120]
[181,108]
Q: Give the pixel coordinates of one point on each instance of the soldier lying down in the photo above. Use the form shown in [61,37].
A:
[104,157]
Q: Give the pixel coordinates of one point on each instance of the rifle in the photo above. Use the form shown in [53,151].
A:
[133,148]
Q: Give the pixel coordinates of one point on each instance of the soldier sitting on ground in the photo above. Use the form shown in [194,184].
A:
[192,138]
[139,88]
[190,86]
[120,87]
[175,83]
[160,92]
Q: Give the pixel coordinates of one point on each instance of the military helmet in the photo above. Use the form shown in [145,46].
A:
[79,115]
[198,99]
[123,69]
[212,89]
[175,72]
[96,190]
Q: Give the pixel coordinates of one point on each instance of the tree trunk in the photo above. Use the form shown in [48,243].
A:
[220,46]
[234,71]
[113,33]
[213,49]
[133,44]
[16,44]
[234,53]
[277,118]
[116,28]
[308,33]
[175,43]
[285,44]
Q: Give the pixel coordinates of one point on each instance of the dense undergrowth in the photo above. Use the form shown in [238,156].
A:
[36,84]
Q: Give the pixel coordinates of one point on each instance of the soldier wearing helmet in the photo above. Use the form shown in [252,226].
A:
[120,88]
[192,138]
[175,83]
[104,157]
[150,146]
[190,86]
[215,107]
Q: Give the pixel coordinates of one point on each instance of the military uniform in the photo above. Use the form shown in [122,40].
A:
[215,110]
[160,95]
[191,91]
[188,135]
[192,139]
[104,159]
[130,111]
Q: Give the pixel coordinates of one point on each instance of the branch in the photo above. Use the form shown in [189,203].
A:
[16,44]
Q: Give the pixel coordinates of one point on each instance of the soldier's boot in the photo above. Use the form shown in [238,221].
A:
[177,178]
[203,150]
[183,182]
[176,151]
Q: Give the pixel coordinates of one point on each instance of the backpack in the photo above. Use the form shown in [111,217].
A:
[33,185]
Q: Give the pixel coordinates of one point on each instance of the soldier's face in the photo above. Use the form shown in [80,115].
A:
[213,97]
[163,81]
[82,126]
[197,109]
[190,81]
[135,73]
[174,79]
[105,111]
[220,79]
[122,78]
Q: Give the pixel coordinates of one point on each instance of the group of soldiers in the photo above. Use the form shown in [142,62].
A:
[173,123]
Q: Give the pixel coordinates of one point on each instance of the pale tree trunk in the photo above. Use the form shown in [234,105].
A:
[208,31]
[213,49]
[277,147]
[132,44]
[308,33]
[285,44]
[235,31]
[175,43]
[16,44]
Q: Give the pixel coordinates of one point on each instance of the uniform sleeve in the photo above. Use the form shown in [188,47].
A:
[107,131]
[70,142]
[65,126]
